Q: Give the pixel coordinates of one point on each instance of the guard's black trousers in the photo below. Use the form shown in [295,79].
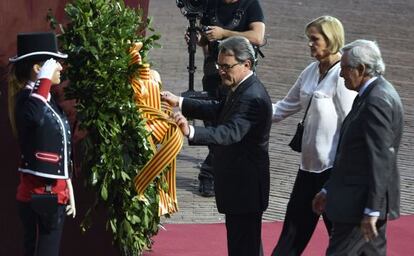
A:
[39,240]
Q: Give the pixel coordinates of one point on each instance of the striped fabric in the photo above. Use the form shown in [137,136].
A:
[166,139]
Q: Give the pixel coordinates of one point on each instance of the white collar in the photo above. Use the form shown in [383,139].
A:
[244,79]
[366,84]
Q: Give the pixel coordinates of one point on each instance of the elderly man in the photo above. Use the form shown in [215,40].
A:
[240,139]
[363,190]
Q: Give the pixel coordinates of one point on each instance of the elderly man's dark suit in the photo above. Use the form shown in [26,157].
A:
[365,173]
[240,142]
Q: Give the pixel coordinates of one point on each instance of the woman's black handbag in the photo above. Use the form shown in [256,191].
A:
[296,142]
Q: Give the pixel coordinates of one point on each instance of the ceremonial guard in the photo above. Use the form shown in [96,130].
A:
[45,190]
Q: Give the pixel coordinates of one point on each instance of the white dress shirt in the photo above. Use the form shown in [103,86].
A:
[331,103]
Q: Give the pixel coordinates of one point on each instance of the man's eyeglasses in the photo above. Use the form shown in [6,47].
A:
[347,67]
[226,67]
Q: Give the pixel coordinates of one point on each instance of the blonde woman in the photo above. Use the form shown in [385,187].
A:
[321,90]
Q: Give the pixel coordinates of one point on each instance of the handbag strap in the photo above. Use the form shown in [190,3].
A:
[320,79]
[307,108]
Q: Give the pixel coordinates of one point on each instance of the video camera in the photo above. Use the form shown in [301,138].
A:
[192,10]
[192,7]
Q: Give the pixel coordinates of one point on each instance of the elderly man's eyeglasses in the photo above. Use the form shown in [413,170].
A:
[226,67]
[347,66]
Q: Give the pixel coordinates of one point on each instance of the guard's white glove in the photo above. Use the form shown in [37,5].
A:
[48,69]
[70,208]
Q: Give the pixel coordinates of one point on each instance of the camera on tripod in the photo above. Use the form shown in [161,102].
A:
[192,10]
[192,7]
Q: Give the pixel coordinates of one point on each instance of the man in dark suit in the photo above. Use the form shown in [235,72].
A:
[364,188]
[240,141]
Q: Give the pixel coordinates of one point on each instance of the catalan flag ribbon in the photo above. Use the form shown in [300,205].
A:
[166,139]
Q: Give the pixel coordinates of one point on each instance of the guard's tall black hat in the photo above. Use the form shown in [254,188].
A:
[38,45]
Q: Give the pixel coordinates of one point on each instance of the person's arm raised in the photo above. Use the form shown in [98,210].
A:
[255,33]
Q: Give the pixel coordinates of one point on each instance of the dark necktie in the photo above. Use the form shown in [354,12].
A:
[346,121]
[356,101]
[228,97]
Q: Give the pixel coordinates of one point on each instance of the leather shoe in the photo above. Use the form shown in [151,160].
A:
[206,187]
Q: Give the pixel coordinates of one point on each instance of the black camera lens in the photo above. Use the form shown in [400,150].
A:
[196,3]
[192,7]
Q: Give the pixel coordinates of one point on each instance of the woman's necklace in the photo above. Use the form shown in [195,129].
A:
[324,69]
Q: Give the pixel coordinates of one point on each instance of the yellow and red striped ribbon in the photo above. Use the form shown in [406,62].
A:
[164,132]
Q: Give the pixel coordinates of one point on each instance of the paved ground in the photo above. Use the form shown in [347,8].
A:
[388,22]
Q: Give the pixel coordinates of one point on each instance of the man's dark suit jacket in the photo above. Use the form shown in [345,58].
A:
[365,173]
[240,141]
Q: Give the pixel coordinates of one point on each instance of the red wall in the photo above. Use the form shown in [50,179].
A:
[29,16]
